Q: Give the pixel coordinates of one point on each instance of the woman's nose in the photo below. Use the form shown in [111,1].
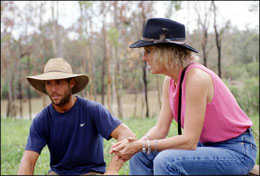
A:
[144,58]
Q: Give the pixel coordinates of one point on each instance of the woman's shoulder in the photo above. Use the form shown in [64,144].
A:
[197,76]
[167,81]
[198,70]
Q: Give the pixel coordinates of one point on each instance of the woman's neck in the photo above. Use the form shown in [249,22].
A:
[174,74]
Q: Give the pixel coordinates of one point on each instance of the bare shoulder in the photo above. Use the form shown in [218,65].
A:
[166,81]
[166,84]
[197,76]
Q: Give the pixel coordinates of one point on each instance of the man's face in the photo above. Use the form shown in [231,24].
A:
[59,91]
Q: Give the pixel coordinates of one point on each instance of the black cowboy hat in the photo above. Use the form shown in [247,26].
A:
[160,31]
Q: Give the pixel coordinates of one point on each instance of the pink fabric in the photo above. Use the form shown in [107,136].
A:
[224,119]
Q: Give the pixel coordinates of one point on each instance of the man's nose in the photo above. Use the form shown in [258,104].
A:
[53,87]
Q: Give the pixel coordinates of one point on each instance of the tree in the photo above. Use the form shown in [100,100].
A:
[57,38]
[218,36]
[103,12]
[145,11]
[173,8]
[15,49]
[203,25]
[116,37]
[87,14]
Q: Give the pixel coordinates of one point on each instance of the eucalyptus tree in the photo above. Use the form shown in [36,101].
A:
[203,11]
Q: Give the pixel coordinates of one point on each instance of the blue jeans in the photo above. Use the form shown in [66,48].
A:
[236,156]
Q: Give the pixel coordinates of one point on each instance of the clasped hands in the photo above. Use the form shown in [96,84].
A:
[126,148]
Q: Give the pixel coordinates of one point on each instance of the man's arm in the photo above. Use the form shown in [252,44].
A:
[28,163]
[120,133]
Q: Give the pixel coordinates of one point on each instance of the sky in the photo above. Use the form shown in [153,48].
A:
[235,11]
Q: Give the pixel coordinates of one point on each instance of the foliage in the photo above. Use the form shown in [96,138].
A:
[246,94]
[113,36]
[13,139]
[173,8]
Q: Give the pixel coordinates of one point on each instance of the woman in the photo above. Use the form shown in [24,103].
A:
[216,139]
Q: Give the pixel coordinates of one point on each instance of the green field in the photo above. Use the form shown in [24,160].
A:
[14,135]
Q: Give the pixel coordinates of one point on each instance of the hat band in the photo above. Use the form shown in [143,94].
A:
[163,40]
[57,71]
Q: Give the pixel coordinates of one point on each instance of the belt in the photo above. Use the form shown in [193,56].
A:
[247,130]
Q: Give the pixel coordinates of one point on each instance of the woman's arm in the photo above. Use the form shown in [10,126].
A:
[160,130]
[199,92]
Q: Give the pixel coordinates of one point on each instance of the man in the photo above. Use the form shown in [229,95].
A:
[72,127]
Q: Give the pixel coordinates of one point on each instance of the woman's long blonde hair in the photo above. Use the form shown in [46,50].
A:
[173,57]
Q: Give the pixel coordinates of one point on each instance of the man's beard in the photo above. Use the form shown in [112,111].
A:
[64,100]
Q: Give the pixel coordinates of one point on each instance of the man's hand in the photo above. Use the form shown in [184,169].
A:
[110,173]
[114,166]
[120,133]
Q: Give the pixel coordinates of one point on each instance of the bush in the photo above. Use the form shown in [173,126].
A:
[246,94]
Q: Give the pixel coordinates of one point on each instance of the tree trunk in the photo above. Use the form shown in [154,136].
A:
[135,101]
[54,31]
[20,95]
[41,43]
[118,90]
[204,46]
[145,90]
[218,43]
[144,64]
[103,65]
[109,82]
[92,67]
[203,25]
[11,108]
[10,105]
[28,89]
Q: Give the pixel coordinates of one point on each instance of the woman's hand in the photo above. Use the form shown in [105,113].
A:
[125,149]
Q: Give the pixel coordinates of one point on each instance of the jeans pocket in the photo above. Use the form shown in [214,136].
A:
[250,147]
[250,150]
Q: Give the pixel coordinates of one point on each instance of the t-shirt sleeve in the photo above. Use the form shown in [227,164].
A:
[37,135]
[105,122]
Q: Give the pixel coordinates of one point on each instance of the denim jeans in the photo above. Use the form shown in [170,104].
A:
[236,156]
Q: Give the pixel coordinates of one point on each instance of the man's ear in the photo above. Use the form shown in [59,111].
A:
[72,83]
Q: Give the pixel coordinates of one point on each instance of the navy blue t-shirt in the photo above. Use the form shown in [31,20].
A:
[74,138]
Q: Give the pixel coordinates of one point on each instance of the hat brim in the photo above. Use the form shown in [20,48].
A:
[143,43]
[38,81]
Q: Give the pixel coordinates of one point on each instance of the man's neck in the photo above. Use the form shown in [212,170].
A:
[67,106]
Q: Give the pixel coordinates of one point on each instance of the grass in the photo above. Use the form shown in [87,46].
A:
[14,136]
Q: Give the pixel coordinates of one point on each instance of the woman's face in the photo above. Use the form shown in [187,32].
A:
[154,66]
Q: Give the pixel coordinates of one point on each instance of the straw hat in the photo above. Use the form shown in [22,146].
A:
[163,31]
[58,68]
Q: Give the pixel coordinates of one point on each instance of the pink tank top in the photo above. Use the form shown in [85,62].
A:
[224,119]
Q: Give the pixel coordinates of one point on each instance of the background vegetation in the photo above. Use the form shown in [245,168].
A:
[97,44]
